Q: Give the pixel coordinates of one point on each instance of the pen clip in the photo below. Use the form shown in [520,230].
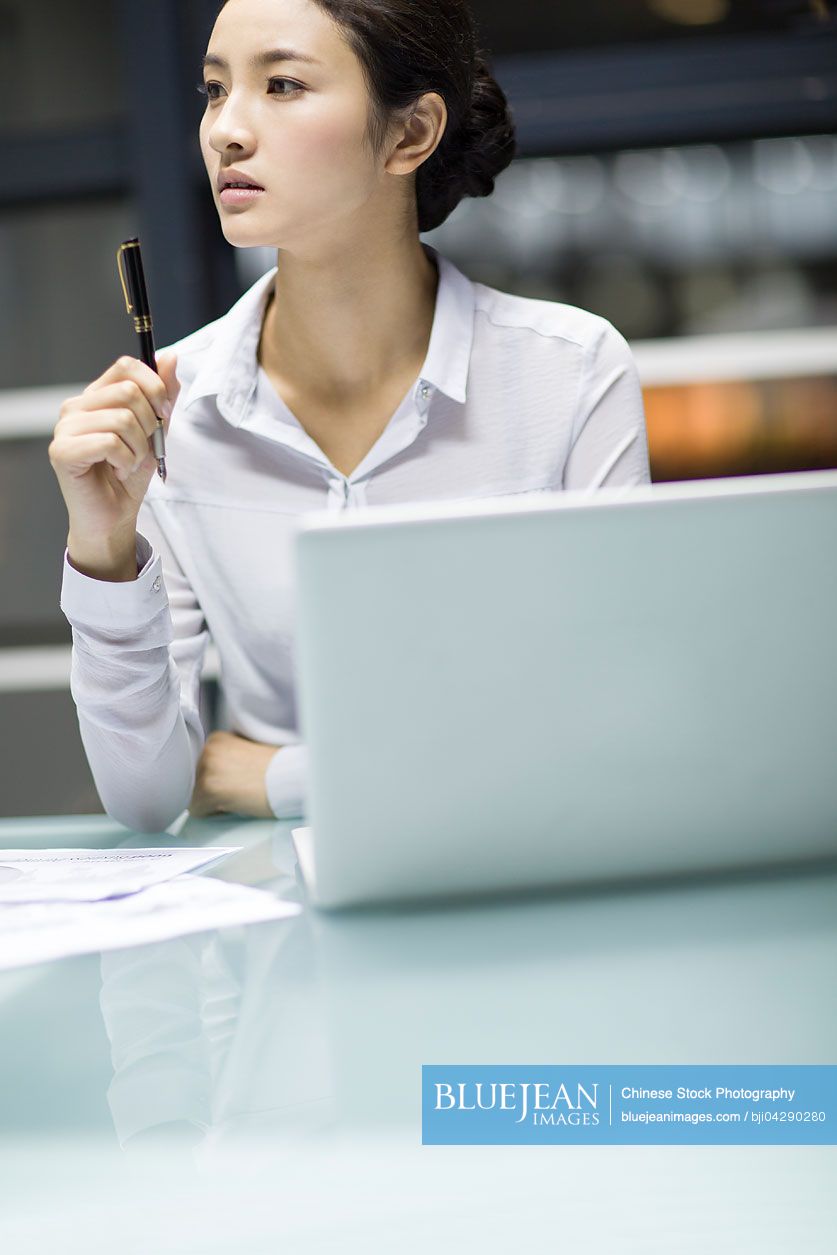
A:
[130,244]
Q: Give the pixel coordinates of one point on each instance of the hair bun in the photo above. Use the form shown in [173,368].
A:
[470,156]
[489,136]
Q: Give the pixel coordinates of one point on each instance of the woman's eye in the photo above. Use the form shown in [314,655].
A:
[206,89]
[295,87]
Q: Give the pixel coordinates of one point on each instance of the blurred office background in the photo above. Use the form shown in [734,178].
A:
[678,175]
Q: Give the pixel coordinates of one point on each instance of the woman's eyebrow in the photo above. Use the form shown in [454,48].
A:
[263,58]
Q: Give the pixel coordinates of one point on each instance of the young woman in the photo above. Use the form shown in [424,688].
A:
[364,368]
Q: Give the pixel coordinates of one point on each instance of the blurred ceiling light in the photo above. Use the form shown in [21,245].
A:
[690,12]
[823,153]
[709,173]
[516,192]
[650,176]
[784,166]
[571,185]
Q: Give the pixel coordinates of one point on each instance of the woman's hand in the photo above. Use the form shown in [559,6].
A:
[230,777]
[101,446]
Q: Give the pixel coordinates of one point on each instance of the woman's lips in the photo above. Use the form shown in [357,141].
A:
[240,195]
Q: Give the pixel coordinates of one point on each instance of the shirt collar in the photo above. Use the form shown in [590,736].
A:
[228,366]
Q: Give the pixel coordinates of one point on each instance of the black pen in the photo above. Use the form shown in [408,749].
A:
[136,299]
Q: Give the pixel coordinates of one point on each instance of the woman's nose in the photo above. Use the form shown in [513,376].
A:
[230,125]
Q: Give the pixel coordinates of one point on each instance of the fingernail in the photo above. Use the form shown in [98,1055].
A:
[167,408]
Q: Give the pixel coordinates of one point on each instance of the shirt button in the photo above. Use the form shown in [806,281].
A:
[425,391]
[156,585]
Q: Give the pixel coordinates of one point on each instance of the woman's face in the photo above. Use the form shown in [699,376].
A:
[296,127]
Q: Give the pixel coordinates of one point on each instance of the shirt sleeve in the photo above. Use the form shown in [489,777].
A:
[138,648]
[609,441]
[286,781]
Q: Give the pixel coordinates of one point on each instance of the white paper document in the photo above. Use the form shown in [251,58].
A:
[41,931]
[91,875]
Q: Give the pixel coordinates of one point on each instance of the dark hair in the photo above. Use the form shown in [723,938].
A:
[409,47]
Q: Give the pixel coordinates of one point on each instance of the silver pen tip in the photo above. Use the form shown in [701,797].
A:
[161,469]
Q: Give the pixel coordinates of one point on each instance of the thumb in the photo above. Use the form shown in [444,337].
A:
[166,369]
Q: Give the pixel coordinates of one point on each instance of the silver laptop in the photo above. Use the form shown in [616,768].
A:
[560,688]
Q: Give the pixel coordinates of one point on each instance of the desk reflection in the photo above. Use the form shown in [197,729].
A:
[320,1023]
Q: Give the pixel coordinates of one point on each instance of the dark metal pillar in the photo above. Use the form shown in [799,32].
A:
[161,135]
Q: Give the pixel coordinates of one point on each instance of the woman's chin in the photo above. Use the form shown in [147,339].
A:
[243,236]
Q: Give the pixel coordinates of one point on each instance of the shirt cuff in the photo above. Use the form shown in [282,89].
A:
[115,604]
[286,781]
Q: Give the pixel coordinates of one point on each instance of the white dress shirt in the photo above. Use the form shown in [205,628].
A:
[515,395]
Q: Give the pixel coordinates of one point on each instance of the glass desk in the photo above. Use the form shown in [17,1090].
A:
[236,1089]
